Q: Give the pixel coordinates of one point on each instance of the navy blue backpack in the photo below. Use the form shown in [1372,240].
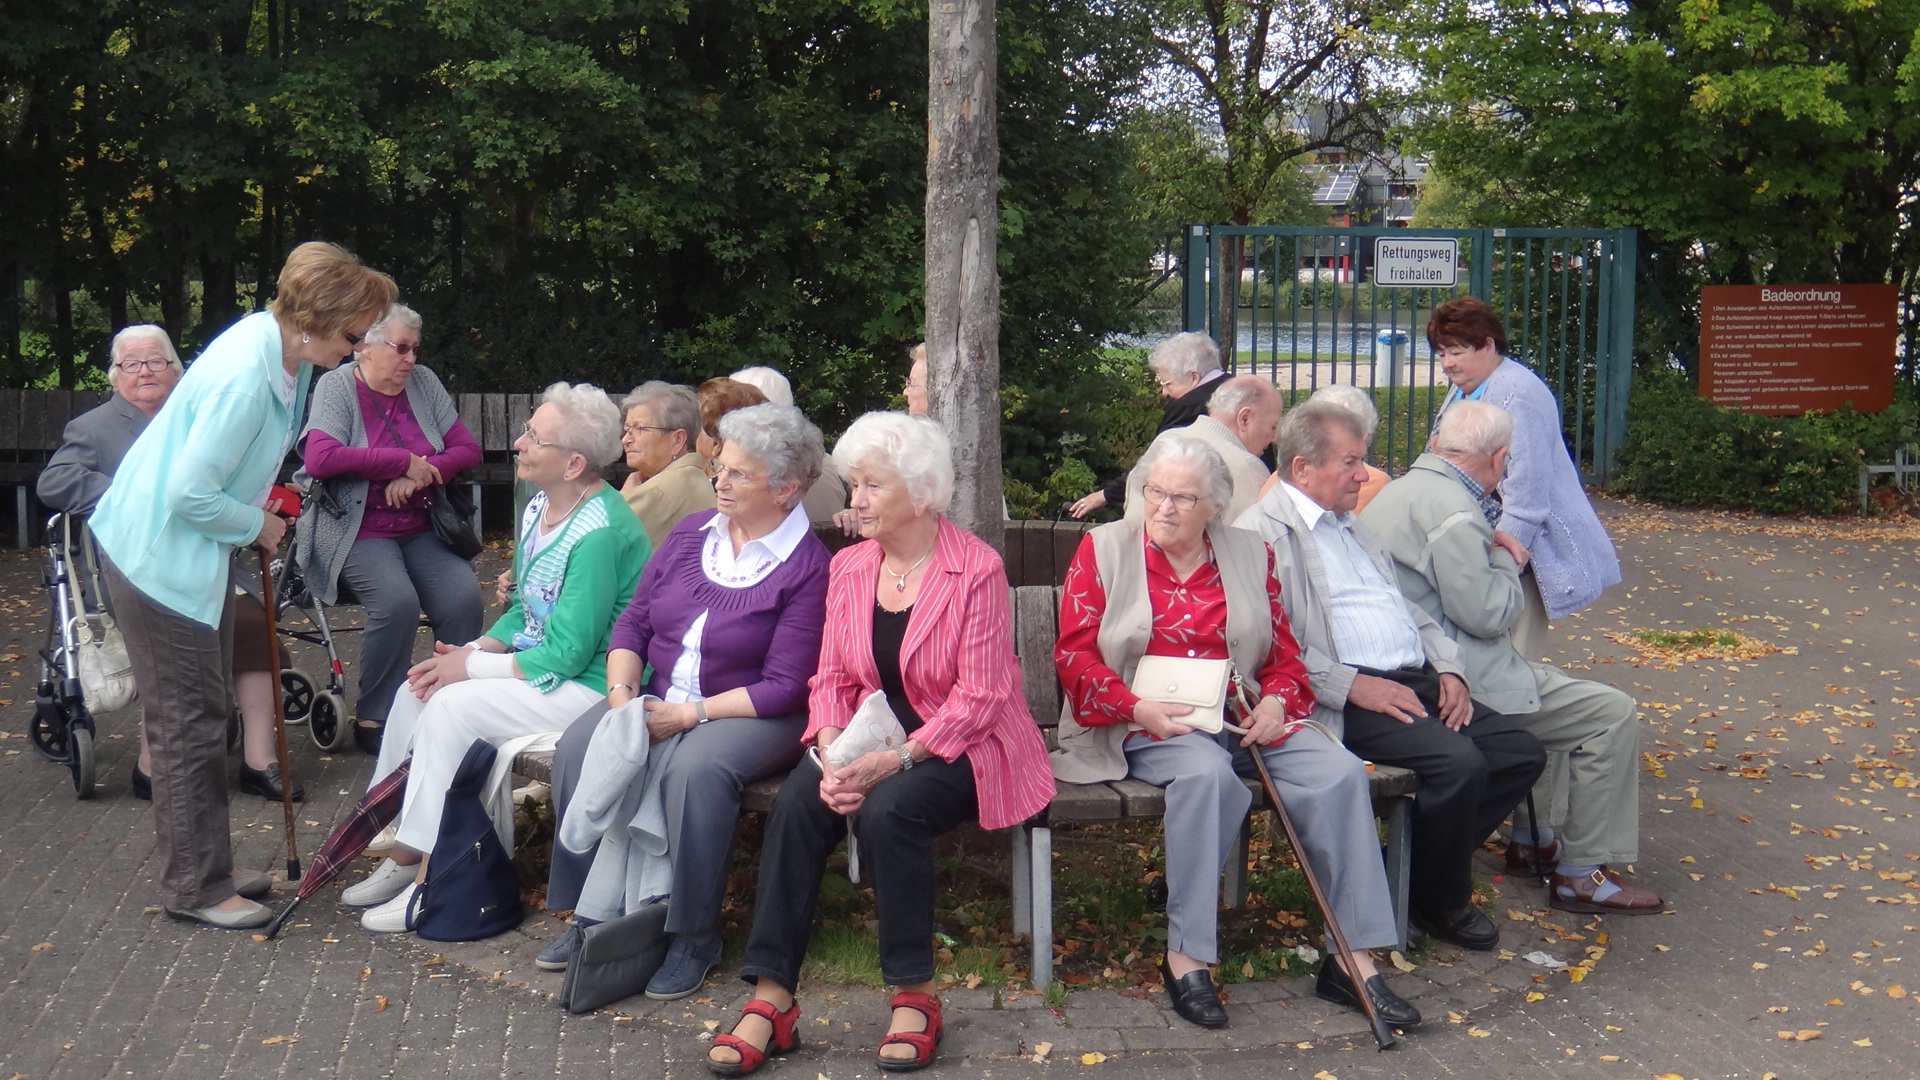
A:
[472,890]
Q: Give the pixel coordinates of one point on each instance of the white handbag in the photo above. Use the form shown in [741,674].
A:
[1182,680]
[106,672]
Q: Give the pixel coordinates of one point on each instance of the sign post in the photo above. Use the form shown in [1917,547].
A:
[1784,350]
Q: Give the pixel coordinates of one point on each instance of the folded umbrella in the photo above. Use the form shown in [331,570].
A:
[374,812]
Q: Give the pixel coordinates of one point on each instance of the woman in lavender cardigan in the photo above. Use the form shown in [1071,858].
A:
[729,615]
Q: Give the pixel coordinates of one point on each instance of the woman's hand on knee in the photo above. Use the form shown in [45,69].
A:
[446,666]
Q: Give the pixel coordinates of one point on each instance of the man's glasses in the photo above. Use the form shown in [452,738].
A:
[1180,500]
[156,363]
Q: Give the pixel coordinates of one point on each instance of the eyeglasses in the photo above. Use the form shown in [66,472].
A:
[354,339]
[404,348]
[154,363]
[526,432]
[642,429]
[734,476]
[1180,500]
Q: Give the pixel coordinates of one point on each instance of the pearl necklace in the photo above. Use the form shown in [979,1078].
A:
[900,576]
[550,525]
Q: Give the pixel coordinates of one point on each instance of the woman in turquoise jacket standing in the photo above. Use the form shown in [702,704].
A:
[191,490]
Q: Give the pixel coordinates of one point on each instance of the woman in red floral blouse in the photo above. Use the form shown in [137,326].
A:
[1174,586]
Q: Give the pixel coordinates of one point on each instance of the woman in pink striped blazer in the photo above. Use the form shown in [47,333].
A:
[919,614]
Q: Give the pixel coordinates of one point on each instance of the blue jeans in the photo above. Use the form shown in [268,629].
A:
[395,580]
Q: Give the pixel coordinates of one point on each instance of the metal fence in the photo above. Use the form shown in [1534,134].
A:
[1305,310]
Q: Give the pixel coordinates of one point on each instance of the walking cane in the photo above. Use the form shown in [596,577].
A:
[1382,1034]
[279,707]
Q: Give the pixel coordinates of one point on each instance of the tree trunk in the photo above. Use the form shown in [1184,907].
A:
[962,277]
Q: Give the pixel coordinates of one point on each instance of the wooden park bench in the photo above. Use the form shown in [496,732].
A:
[1035,628]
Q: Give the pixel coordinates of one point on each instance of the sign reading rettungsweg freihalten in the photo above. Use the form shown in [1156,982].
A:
[1783,350]
[1428,261]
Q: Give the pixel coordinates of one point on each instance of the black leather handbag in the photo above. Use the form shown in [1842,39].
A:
[451,513]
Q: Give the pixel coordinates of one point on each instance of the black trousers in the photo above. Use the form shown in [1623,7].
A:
[1470,780]
[895,828]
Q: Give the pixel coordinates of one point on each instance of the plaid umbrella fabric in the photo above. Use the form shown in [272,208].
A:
[374,812]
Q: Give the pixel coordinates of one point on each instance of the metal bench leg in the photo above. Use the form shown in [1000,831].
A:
[20,516]
[1041,869]
[1235,887]
[1022,865]
[1399,860]
[476,510]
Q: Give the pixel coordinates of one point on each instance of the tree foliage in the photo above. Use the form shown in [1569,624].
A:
[1752,140]
[607,190]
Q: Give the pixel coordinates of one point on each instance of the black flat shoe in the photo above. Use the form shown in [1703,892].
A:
[1468,928]
[141,783]
[366,736]
[1335,985]
[266,782]
[1194,997]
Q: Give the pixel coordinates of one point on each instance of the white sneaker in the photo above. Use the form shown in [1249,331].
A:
[382,885]
[390,917]
[383,841]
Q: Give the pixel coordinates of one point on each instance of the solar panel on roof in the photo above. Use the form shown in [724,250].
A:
[1338,188]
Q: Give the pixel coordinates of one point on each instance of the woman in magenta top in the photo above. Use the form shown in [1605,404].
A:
[383,433]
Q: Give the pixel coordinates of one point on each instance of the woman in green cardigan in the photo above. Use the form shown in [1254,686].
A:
[545,661]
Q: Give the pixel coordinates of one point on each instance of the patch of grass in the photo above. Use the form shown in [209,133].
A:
[843,954]
[1688,639]
[1675,647]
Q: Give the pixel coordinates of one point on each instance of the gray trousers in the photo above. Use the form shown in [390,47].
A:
[702,793]
[1591,791]
[181,668]
[395,580]
[1325,789]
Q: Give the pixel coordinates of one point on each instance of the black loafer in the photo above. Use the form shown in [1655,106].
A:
[1335,985]
[266,782]
[367,734]
[1468,928]
[141,783]
[1194,997]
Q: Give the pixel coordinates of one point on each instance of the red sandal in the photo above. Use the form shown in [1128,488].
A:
[783,1039]
[923,1042]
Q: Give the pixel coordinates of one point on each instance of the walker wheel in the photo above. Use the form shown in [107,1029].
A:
[327,722]
[80,740]
[297,687]
[48,730]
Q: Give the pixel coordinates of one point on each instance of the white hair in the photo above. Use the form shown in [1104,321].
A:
[1174,448]
[397,313]
[1472,429]
[915,447]
[1240,392]
[589,422]
[782,440]
[131,334]
[1354,400]
[767,381]
[1190,353]
[1306,431]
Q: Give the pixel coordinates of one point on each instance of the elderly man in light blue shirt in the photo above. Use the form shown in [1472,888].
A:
[1388,681]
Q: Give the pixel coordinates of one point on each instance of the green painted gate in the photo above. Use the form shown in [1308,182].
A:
[1305,310]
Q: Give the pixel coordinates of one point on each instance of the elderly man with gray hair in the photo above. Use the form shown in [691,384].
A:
[142,368]
[1187,368]
[1438,523]
[669,479]
[1388,681]
[1239,425]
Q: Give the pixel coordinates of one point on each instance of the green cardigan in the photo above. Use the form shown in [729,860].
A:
[569,594]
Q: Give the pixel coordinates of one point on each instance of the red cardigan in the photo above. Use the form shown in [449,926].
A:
[957,665]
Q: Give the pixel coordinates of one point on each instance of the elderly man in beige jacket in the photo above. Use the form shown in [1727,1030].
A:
[1437,521]
[1239,426]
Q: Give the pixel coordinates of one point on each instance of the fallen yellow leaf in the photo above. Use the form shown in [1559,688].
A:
[1478,1033]
[1896,991]
[1041,1050]
[1324,1075]
[1863,1042]
[1609,1057]
[365,974]
[1399,961]
[711,1025]
[1803,1035]
[1094,1058]
[1669,1076]
[276,1040]
[1536,996]
[1661,948]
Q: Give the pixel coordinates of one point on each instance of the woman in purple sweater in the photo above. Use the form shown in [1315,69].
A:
[727,620]
[382,434]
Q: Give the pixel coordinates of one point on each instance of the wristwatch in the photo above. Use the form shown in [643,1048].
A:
[906,758]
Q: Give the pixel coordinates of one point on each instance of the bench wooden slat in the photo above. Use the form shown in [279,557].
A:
[493,433]
[1066,542]
[1084,803]
[519,410]
[1139,799]
[1035,620]
[13,434]
[471,415]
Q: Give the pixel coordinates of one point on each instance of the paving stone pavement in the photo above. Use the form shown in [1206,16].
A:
[1778,826]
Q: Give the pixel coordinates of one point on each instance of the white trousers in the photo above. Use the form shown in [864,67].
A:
[439,730]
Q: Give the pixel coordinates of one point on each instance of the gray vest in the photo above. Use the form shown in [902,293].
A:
[1092,754]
